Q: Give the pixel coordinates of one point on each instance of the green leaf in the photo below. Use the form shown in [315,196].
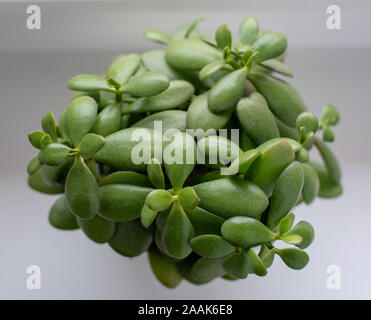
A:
[88,83]
[126,177]
[155,174]
[179,157]
[35,138]
[328,135]
[277,66]
[147,216]
[283,100]
[131,239]
[244,161]
[90,145]
[79,118]
[227,91]
[177,94]
[236,265]
[256,264]
[330,115]
[200,117]
[249,30]
[49,127]
[45,140]
[246,232]
[177,232]
[328,187]
[190,54]
[223,37]
[122,202]
[123,67]
[266,169]
[33,166]
[205,222]
[270,44]
[37,183]
[82,192]
[108,120]
[292,239]
[164,269]
[305,231]
[204,270]
[311,185]
[157,36]
[286,223]
[329,159]
[188,199]
[61,217]
[240,197]
[211,246]
[308,121]
[294,258]
[268,257]
[211,69]
[98,229]
[54,154]
[159,200]
[286,193]
[147,84]
[256,118]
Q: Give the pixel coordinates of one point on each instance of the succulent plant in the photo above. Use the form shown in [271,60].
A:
[195,154]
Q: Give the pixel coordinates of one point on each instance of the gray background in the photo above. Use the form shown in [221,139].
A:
[82,37]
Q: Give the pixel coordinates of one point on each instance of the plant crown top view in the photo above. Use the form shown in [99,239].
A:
[195,223]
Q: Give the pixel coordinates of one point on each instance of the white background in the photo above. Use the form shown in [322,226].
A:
[82,37]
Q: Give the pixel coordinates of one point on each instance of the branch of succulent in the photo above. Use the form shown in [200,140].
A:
[197,220]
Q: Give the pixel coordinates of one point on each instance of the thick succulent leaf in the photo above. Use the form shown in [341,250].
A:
[223,37]
[277,66]
[227,91]
[33,166]
[205,222]
[270,44]
[205,269]
[266,169]
[211,69]
[90,145]
[179,156]
[88,83]
[98,229]
[108,120]
[244,161]
[236,264]
[159,200]
[211,246]
[131,238]
[54,154]
[283,100]
[240,197]
[82,191]
[49,127]
[123,67]
[249,30]
[286,193]
[37,183]
[200,117]
[157,36]
[311,184]
[294,258]
[256,264]
[79,118]
[126,177]
[329,159]
[188,199]
[170,119]
[256,118]
[155,174]
[147,84]
[61,217]
[189,54]
[129,149]
[177,232]
[122,202]
[246,232]
[305,230]
[286,223]
[35,138]
[176,95]
[328,187]
[147,216]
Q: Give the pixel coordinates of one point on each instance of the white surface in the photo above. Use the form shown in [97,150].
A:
[74,267]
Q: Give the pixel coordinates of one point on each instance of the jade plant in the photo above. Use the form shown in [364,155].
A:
[226,216]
